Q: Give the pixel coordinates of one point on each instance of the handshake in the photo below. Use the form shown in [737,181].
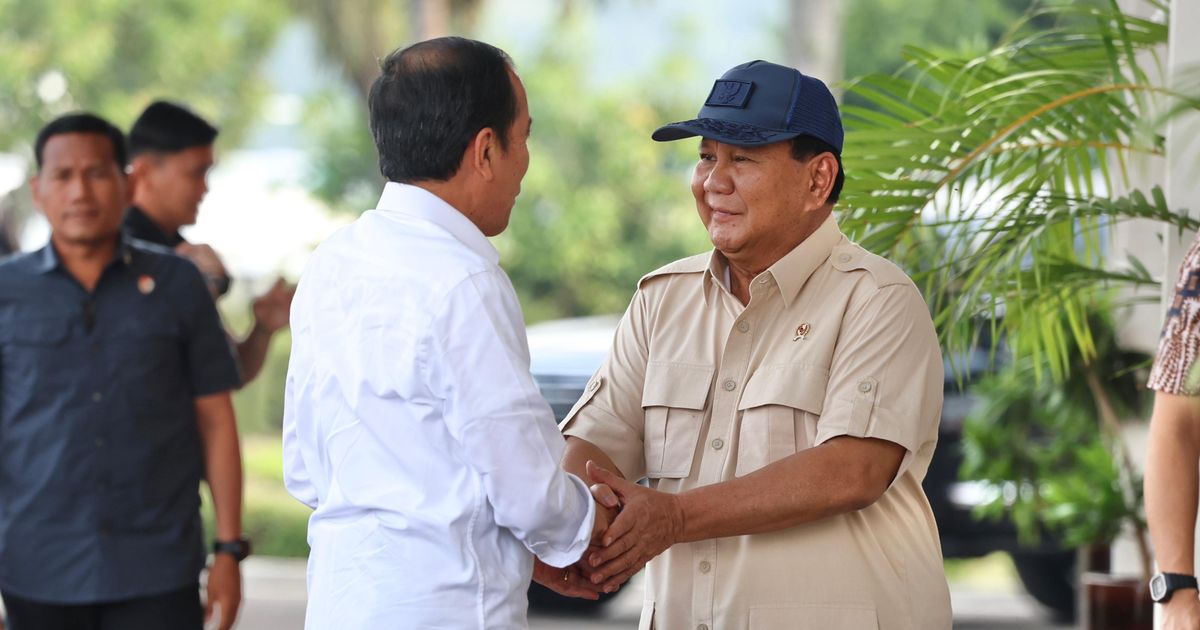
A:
[633,525]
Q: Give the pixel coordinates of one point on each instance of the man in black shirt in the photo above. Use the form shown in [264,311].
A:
[115,384]
[172,152]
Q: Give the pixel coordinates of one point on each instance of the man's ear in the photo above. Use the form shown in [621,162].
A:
[482,151]
[127,180]
[823,171]
[35,189]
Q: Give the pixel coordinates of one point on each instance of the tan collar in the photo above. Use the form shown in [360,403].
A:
[791,271]
[794,269]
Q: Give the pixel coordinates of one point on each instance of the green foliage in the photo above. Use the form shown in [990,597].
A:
[602,204]
[118,55]
[877,30]
[1013,155]
[345,167]
[276,522]
[1039,444]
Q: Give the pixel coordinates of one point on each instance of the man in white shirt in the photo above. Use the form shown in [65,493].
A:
[412,426]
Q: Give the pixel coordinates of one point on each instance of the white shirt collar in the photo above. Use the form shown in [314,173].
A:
[417,202]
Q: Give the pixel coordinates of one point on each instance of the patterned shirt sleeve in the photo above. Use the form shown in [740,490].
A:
[1175,366]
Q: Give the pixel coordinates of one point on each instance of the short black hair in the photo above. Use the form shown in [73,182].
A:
[432,99]
[805,147]
[166,127]
[82,122]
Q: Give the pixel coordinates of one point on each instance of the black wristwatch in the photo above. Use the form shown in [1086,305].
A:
[1163,585]
[239,549]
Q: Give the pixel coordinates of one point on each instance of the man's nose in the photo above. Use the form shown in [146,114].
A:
[718,180]
[79,188]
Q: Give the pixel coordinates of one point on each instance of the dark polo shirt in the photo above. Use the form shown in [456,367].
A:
[137,224]
[100,454]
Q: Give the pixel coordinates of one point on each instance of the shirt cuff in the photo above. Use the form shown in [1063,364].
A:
[554,556]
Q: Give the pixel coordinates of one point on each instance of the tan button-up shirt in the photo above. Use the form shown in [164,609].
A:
[699,389]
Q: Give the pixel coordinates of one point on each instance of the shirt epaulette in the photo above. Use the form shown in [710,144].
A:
[848,257]
[692,264]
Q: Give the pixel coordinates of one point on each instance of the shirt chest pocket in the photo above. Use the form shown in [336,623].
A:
[673,400]
[780,407]
[36,346]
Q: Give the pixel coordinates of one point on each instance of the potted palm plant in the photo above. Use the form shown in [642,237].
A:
[1054,455]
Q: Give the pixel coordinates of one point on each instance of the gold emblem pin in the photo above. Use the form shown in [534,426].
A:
[145,284]
[801,332]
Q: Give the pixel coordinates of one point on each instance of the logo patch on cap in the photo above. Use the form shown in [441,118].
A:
[729,94]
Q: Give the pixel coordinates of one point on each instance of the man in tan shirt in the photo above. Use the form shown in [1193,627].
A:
[781,393]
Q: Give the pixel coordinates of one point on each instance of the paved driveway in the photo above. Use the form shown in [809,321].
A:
[274,590]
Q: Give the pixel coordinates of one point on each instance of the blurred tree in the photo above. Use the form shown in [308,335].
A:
[358,33]
[115,56]
[602,204]
[355,36]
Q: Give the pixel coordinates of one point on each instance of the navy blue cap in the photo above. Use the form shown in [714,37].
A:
[760,103]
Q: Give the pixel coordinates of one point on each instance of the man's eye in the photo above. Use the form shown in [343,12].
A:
[706,157]
[740,158]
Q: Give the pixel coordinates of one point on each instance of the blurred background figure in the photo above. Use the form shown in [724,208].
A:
[172,152]
[8,240]
[115,383]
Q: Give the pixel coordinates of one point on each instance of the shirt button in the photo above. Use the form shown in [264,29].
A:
[96,397]
[743,326]
[844,258]
[718,444]
[729,385]
[864,387]
[705,567]
[764,280]
[593,386]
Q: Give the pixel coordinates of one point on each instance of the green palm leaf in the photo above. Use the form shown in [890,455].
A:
[1011,157]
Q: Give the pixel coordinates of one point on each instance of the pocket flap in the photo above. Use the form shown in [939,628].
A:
[680,385]
[798,386]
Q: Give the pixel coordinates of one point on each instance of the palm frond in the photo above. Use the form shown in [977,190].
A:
[1010,158]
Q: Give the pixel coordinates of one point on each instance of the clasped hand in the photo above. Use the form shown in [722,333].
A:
[633,525]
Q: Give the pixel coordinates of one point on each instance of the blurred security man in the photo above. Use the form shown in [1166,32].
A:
[115,382]
[171,149]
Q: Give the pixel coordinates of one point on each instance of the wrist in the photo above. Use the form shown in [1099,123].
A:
[678,519]
[235,549]
[1182,598]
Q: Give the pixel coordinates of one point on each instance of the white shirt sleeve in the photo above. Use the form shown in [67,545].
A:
[296,477]
[480,370]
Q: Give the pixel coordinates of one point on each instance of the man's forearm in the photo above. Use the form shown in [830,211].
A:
[222,462]
[842,475]
[579,451]
[1172,482]
[252,353]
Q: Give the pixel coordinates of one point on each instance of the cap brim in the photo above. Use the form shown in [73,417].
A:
[734,133]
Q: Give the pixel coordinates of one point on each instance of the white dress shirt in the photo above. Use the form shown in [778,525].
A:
[413,428]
